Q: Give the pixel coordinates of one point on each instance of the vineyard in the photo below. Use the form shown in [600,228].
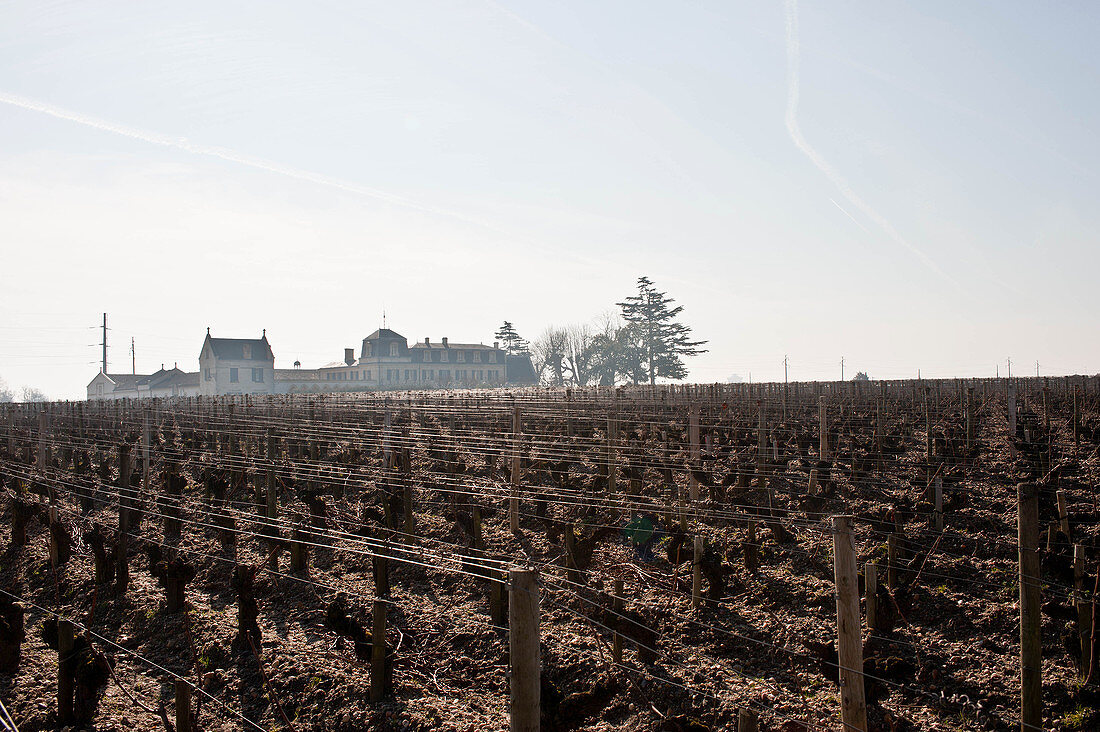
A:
[903,555]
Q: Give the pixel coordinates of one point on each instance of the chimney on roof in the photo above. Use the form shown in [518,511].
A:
[427,342]
[496,345]
[349,356]
[444,341]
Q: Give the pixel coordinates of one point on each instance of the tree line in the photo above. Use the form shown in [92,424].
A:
[642,342]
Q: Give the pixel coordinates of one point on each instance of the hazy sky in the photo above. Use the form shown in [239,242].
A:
[906,185]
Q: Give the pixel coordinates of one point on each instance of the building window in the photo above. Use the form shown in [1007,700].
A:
[258,375]
[368,374]
[370,350]
[461,356]
[443,356]
[445,375]
[393,349]
[247,347]
[233,376]
[206,374]
[477,356]
[492,356]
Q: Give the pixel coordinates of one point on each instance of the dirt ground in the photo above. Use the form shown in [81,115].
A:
[946,656]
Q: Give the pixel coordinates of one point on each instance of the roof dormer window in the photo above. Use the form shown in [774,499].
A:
[247,348]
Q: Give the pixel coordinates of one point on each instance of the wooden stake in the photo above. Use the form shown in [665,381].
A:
[937,513]
[617,609]
[513,503]
[747,720]
[1063,514]
[693,448]
[183,706]
[1084,609]
[65,643]
[892,561]
[523,649]
[299,551]
[823,429]
[1031,679]
[122,574]
[870,589]
[378,690]
[697,574]
[381,569]
[853,706]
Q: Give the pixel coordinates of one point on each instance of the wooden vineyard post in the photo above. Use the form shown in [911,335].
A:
[407,495]
[122,574]
[1076,419]
[928,429]
[697,573]
[747,720]
[1084,609]
[1031,680]
[937,511]
[1063,514]
[378,685]
[381,568]
[870,586]
[475,521]
[823,429]
[1010,397]
[65,643]
[612,454]
[761,442]
[299,551]
[750,551]
[617,609]
[43,445]
[892,561]
[853,706]
[497,589]
[693,442]
[272,497]
[971,422]
[183,706]
[523,649]
[878,431]
[513,503]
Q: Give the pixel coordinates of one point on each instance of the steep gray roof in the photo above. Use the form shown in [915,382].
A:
[384,333]
[127,381]
[233,348]
[170,377]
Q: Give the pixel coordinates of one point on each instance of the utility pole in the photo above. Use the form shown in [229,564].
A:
[133,357]
[1036,369]
[998,371]
[842,368]
[1010,368]
[104,343]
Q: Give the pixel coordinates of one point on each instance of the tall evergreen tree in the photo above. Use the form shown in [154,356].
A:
[511,341]
[661,340]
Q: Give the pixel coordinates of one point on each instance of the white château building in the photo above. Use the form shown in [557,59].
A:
[385,361]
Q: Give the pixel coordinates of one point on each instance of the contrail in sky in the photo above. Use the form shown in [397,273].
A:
[220,153]
[820,162]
